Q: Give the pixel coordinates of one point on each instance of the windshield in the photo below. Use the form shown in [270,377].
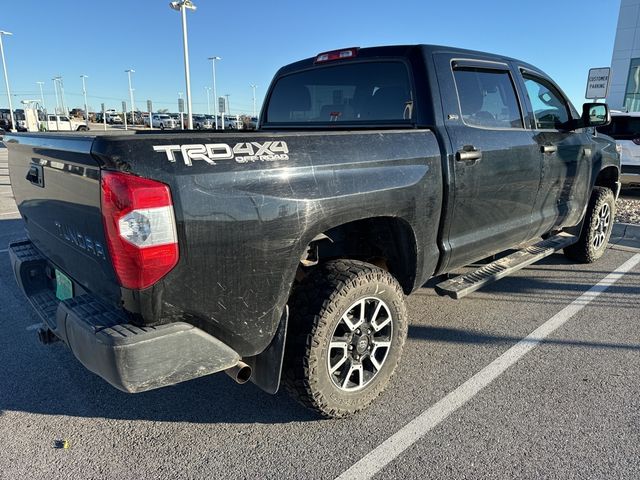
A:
[366,92]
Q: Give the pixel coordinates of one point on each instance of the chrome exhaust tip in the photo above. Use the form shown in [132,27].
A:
[241,372]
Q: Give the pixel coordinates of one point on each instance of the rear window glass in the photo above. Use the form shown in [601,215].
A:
[622,128]
[346,93]
[487,98]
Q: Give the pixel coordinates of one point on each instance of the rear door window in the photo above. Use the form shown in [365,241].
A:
[487,98]
[363,92]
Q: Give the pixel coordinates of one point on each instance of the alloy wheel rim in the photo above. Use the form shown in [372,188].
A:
[601,226]
[360,344]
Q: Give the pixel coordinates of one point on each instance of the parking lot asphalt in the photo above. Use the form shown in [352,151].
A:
[568,408]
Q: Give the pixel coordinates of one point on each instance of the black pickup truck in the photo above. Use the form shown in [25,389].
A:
[287,252]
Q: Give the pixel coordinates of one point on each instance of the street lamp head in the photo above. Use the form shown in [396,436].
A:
[3,32]
[84,76]
[182,3]
[215,58]
[130,70]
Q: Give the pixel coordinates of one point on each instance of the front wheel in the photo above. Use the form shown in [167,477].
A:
[597,227]
[347,329]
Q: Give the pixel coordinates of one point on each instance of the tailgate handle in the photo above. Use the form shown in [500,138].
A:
[34,175]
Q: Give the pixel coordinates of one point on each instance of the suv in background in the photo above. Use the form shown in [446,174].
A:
[625,130]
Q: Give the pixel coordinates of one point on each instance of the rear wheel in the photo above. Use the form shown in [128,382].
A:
[597,227]
[347,330]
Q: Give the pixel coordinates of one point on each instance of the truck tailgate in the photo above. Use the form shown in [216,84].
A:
[56,184]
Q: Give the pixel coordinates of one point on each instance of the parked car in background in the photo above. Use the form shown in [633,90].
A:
[62,123]
[231,123]
[114,118]
[202,122]
[625,130]
[164,120]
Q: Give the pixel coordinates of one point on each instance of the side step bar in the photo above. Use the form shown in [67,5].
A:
[463,285]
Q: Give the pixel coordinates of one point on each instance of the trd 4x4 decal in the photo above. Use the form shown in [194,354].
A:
[241,152]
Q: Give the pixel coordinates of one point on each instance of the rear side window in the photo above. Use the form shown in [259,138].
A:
[549,107]
[346,93]
[487,98]
[622,128]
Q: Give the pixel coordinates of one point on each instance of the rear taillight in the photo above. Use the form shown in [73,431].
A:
[343,54]
[140,227]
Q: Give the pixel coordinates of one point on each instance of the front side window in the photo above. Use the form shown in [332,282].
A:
[487,98]
[549,107]
[363,92]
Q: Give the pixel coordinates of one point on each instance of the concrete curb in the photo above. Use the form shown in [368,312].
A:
[625,234]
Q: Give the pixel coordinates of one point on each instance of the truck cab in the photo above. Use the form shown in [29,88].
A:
[62,123]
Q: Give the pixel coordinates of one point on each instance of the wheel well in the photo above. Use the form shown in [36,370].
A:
[386,242]
[608,177]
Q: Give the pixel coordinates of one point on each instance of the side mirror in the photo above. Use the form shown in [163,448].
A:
[595,115]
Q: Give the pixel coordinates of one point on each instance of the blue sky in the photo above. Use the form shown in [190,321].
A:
[102,38]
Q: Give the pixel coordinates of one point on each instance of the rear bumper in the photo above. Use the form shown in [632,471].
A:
[129,357]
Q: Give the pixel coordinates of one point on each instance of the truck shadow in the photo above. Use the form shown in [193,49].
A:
[52,382]
[458,335]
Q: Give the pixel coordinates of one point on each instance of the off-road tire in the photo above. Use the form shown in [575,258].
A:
[584,251]
[317,306]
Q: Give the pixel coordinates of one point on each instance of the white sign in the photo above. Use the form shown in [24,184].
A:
[221,105]
[598,83]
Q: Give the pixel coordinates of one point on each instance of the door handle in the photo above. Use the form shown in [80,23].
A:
[548,149]
[469,154]
[35,175]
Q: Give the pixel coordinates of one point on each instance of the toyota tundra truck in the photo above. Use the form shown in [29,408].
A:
[284,255]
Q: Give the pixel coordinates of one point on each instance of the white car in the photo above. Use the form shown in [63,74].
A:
[163,120]
[625,130]
[230,123]
[62,123]
[113,118]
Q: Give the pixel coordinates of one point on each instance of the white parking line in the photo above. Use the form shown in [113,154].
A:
[35,326]
[391,448]
[4,251]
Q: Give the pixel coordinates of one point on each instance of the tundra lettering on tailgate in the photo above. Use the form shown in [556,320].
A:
[241,152]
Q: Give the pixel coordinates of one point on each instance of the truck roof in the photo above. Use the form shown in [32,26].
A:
[404,51]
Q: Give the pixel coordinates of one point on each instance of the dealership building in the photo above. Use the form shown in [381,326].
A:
[624,91]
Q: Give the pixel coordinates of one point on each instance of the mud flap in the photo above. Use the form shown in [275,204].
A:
[267,366]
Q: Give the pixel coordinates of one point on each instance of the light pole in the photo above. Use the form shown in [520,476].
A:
[215,92]
[55,89]
[228,104]
[62,102]
[207,89]
[253,87]
[133,105]
[182,7]
[6,80]
[181,111]
[84,93]
[44,107]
